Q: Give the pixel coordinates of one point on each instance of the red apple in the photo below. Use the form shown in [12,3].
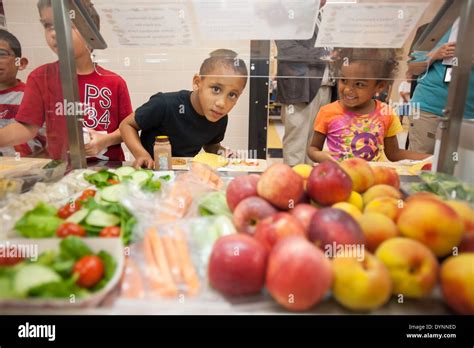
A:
[329,184]
[281,186]
[237,265]
[298,274]
[304,199]
[240,188]
[249,212]
[304,212]
[276,227]
[330,226]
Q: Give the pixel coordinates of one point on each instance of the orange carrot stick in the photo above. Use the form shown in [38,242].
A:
[160,260]
[187,268]
[173,258]
[152,273]
[132,281]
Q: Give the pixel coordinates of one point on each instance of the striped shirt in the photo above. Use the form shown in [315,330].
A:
[10,100]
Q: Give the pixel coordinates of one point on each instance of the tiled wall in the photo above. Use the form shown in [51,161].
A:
[174,71]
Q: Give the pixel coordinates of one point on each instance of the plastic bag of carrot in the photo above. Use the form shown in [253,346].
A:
[172,260]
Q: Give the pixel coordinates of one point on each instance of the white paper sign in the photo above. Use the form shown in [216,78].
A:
[256,19]
[146,23]
[368,25]
[159,23]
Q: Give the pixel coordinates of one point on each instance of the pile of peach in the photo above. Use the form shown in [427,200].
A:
[345,228]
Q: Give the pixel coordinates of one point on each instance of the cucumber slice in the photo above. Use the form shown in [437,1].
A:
[124,171]
[32,276]
[100,218]
[113,193]
[140,176]
[78,216]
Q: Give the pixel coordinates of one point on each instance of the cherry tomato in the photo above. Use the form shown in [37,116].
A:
[113,181]
[10,256]
[90,269]
[427,166]
[70,229]
[69,209]
[86,195]
[110,232]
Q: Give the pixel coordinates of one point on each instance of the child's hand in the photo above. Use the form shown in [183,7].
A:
[97,144]
[328,156]
[144,162]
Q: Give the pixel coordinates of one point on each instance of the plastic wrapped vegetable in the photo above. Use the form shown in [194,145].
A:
[214,203]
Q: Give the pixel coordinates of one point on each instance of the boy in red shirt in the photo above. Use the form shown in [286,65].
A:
[11,93]
[103,94]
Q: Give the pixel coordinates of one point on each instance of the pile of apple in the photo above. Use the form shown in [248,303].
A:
[306,231]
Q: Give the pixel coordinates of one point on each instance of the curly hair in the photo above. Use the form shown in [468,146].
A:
[382,61]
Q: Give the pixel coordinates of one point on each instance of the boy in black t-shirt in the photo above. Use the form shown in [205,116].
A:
[191,119]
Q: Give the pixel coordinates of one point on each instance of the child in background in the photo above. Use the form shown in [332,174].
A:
[104,96]
[404,92]
[356,125]
[191,119]
[11,93]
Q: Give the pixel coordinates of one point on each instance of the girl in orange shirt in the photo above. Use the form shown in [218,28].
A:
[356,125]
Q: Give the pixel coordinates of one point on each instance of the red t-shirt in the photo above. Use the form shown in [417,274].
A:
[103,93]
[10,100]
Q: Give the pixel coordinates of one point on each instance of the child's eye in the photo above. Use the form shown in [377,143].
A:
[344,81]
[233,95]
[216,89]
[360,85]
[48,26]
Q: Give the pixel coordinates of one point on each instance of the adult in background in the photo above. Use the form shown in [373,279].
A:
[301,90]
[431,92]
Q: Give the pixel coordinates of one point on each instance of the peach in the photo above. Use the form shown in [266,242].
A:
[378,191]
[465,212]
[304,170]
[412,266]
[348,208]
[377,228]
[433,223]
[386,176]
[356,199]
[422,195]
[457,282]
[360,172]
[361,284]
[298,274]
[467,243]
[388,206]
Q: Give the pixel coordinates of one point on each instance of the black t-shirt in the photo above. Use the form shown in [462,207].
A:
[172,114]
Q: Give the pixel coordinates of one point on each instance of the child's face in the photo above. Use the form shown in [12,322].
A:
[46,18]
[357,85]
[218,92]
[8,66]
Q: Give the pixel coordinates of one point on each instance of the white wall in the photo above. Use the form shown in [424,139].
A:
[144,79]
